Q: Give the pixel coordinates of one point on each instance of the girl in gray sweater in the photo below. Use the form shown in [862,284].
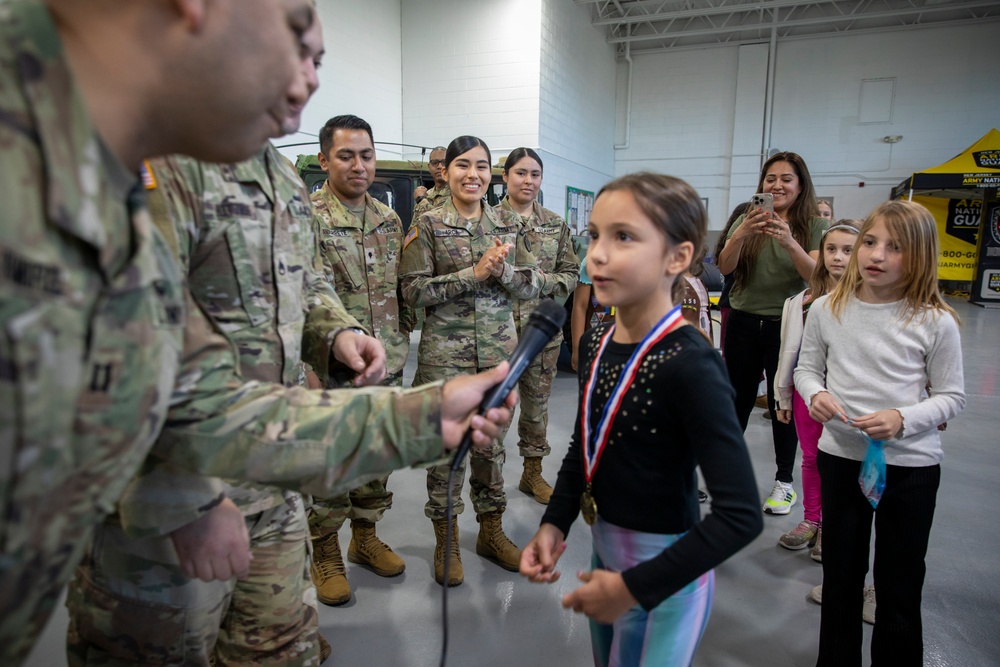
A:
[881,357]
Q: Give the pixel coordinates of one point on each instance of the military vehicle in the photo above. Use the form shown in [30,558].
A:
[395,182]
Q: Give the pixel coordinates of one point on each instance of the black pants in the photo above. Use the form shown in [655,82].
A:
[902,527]
[752,345]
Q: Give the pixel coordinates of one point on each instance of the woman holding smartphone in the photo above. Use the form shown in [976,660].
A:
[771,255]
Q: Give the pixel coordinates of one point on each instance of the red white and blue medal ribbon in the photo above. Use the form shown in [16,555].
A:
[593,447]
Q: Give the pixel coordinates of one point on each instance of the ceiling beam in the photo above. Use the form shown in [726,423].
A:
[739,42]
[726,8]
[911,15]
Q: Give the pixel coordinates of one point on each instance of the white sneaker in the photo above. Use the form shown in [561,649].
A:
[782,498]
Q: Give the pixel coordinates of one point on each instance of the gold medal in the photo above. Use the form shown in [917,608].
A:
[588,507]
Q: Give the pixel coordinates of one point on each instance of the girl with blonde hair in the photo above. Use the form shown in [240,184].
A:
[870,351]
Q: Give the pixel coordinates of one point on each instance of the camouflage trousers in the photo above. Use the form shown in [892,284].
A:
[486,481]
[131,604]
[368,502]
[31,581]
[534,388]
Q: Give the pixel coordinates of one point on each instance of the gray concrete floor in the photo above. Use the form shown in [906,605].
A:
[760,616]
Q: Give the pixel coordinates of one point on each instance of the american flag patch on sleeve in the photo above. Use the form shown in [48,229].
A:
[146,174]
[410,235]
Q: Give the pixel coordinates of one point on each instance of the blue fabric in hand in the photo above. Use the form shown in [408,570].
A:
[872,477]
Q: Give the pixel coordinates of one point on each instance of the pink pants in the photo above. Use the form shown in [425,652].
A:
[808,431]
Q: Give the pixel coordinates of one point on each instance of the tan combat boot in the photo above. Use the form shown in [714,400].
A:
[456,575]
[328,573]
[532,482]
[492,543]
[367,549]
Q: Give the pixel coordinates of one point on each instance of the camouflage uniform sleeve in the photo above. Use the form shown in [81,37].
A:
[521,279]
[161,498]
[173,207]
[407,314]
[325,315]
[420,286]
[314,441]
[563,280]
[164,496]
[422,206]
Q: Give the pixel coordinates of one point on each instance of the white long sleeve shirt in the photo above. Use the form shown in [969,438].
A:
[871,359]
[791,343]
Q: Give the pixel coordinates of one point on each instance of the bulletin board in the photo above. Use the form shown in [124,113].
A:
[578,206]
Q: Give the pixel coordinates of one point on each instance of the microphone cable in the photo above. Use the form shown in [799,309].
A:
[449,513]
[543,324]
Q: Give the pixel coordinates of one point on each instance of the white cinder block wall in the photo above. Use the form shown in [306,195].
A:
[946,96]
[576,105]
[531,73]
[515,73]
[361,73]
[470,67]
[683,110]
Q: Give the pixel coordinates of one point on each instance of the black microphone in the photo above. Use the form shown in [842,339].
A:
[543,324]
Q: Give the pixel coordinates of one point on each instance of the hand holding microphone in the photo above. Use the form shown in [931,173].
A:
[460,417]
[543,325]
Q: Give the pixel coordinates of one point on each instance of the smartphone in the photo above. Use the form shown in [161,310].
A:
[762,200]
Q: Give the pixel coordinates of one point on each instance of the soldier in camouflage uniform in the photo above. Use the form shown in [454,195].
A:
[457,264]
[547,237]
[102,347]
[361,240]
[245,239]
[92,306]
[439,194]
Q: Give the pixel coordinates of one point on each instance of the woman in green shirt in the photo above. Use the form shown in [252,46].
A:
[771,257]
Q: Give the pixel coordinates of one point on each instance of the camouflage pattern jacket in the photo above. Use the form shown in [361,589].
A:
[435,197]
[468,323]
[546,237]
[100,338]
[361,260]
[92,309]
[245,239]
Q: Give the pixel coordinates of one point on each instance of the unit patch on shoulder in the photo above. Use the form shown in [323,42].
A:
[410,236]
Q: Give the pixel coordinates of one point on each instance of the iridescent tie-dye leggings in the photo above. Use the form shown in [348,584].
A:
[666,636]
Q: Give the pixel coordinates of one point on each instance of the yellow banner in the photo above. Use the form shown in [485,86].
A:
[958,227]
